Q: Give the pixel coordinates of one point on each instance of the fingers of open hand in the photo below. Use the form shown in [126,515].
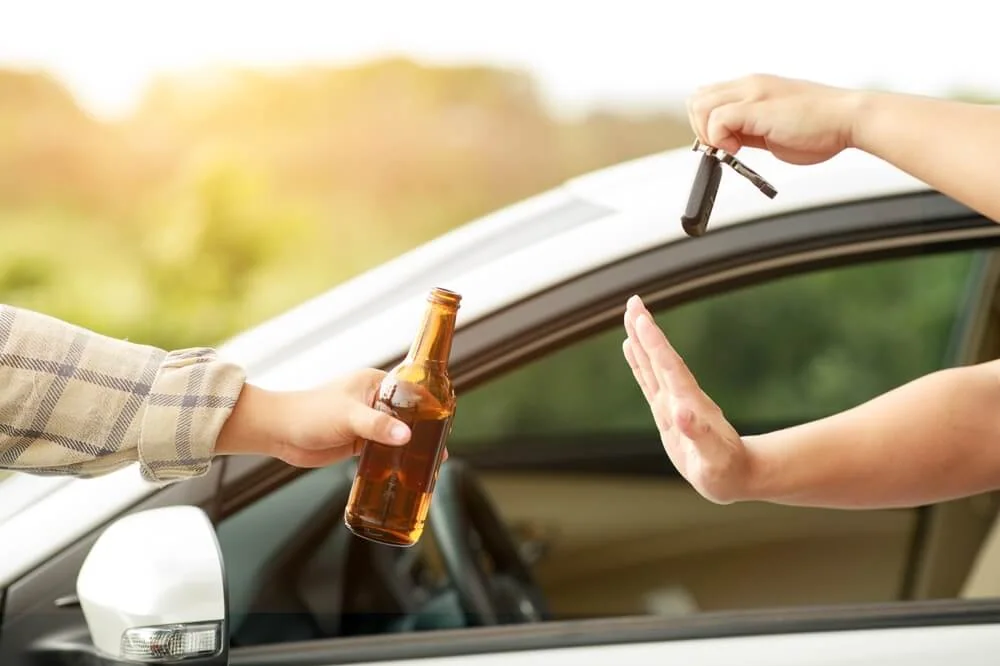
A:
[667,365]
[641,366]
[662,371]
[659,401]
[656,395]
[628,349]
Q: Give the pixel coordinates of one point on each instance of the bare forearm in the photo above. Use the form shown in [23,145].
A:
[947,144]
[934,439]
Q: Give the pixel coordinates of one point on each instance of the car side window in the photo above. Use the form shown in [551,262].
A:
[771,355]
[251,537]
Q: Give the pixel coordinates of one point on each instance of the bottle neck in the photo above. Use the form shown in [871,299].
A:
[433,342]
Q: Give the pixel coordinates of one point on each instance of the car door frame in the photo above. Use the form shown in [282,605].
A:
[667,275]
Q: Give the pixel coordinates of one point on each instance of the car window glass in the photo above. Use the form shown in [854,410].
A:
[772,354]
[567,448]
[250,538]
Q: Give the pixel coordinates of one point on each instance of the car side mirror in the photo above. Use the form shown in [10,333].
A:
[153,590]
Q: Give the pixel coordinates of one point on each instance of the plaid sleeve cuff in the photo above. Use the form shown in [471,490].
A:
[75,402]
[192,396]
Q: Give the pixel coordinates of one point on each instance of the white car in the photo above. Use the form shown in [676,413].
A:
[560,533]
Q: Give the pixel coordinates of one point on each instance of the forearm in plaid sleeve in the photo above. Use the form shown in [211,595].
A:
[192,396]
[76,402]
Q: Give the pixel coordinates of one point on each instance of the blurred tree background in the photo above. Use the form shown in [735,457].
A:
[231,196]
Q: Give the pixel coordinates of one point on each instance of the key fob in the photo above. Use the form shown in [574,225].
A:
[702,197]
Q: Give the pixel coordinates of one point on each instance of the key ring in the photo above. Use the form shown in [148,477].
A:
[706,186]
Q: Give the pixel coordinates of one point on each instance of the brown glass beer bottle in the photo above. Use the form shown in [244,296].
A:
[393,484]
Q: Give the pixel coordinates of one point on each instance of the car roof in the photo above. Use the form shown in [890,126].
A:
[504,257]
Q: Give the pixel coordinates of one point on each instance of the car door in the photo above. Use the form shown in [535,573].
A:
[636,565]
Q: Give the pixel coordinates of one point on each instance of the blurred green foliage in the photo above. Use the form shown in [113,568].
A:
[230,196]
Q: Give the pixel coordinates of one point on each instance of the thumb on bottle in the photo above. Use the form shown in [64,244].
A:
[371,424]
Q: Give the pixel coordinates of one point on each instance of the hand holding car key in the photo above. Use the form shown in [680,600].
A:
[706,186]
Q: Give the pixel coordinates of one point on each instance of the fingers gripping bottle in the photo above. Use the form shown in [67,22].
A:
[393,484]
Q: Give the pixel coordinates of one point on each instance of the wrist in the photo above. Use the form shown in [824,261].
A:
[864,108]
[253,426]
[759,476]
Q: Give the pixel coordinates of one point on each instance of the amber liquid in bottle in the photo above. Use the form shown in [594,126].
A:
[393,484]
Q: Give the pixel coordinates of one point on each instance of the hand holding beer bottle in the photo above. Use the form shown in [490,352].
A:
[393,484]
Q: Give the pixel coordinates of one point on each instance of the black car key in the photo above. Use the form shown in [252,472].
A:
[706,187]
[702,197]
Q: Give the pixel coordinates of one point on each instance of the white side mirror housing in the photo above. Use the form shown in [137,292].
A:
[153,589]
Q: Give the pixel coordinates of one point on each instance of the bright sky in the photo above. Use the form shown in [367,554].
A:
[582,51]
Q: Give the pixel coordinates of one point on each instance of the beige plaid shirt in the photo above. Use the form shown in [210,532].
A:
[76,402]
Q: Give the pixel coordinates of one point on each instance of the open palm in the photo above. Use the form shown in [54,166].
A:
[700,442]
